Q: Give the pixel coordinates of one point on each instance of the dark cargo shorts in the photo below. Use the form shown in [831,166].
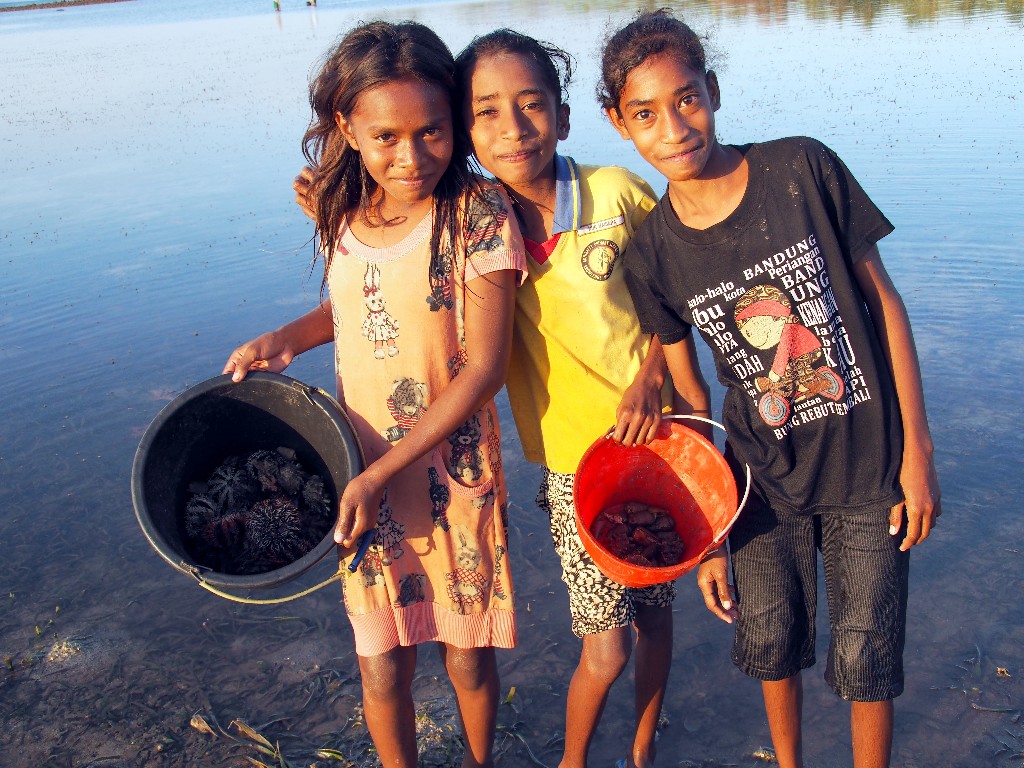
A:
[774,561]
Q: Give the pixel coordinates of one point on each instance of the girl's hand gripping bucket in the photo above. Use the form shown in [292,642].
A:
[679,471]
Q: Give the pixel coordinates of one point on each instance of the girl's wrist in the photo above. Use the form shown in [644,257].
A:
[918,442]
[719,551]
[649,378]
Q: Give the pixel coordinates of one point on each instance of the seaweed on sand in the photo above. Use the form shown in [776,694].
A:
[438,736]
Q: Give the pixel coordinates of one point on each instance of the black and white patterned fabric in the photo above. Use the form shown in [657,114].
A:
[596,602]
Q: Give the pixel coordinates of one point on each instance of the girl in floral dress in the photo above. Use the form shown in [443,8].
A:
[421,264]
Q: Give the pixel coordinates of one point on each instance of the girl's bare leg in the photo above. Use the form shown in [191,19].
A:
[605,655]
[783,703]
[388,707]
[653,661]
[474,675]
[871,724]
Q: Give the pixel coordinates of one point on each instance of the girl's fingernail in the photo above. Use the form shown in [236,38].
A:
[727,604]
[892,530]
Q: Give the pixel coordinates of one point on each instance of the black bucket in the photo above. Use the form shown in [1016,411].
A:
[194,433]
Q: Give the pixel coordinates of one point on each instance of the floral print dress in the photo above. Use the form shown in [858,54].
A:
[439,567]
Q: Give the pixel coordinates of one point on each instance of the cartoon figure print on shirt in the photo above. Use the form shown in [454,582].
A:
[406,403]
[764,317]
[379,327]
[486,217]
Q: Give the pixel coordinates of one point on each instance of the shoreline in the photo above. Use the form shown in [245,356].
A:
[56,4]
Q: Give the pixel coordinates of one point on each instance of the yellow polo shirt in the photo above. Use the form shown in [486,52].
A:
[577,343]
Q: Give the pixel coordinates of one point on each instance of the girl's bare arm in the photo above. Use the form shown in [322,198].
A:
[275,350]
[639,411]
[693,397]
[917,475]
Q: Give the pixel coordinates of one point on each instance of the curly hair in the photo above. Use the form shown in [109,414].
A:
[647,34]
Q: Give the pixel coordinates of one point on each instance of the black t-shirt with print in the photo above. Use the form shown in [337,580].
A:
[809,404]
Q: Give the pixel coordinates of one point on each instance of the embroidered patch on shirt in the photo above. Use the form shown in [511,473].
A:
[599,259]
[597,226]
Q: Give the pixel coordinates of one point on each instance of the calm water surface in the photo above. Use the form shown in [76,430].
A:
[147,227]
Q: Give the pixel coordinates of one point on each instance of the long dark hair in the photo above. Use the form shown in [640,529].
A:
[374,54]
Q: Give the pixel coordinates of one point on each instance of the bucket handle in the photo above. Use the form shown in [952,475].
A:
[253,600]
[717,542]
[365,541]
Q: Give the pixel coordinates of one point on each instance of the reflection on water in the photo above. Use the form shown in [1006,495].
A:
[857,10]
[147,227]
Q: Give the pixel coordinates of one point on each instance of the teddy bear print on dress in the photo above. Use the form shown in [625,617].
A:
[466,585]
[406,403]
[370,567]
[410,590]
[483,501]
[493,446]
[486,218]
[390,533]
[467,458]
[499,592]
[440,282]
[379,327]
[440,497]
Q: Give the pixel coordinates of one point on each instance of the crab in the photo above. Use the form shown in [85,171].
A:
[640,534]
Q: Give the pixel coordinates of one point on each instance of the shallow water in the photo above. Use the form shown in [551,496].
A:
[147,227]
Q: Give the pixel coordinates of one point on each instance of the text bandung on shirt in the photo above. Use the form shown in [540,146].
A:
[799,273]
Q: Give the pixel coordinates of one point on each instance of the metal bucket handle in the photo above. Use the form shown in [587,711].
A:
[717,542]
[365,541]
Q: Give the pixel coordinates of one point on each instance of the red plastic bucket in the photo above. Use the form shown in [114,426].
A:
[679,471]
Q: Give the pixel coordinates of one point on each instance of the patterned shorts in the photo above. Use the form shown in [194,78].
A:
[596,602]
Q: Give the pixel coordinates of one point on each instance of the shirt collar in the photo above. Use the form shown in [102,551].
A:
[568,202]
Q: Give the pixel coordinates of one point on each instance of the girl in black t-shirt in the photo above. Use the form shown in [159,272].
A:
[770,251]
